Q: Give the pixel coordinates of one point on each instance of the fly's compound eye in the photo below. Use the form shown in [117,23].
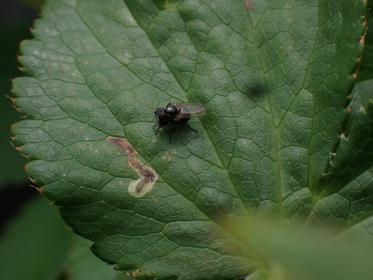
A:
[171,109]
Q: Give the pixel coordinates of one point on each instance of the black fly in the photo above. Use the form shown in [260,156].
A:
[176,115]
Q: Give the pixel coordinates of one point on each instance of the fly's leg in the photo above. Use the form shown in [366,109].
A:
[191,128]
[156,129]
[170,135]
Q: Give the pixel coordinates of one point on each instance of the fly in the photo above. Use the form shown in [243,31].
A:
[176,115]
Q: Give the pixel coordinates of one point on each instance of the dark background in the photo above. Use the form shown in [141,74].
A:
[16,19]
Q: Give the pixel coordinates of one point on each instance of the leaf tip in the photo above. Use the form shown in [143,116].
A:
[35,187]
[362,40]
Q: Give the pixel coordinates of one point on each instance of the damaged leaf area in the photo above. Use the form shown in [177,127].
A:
[147,176]
[287,130]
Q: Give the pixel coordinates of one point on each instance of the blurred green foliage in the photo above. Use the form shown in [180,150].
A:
[34,245]
[292,251]
[11,163]
[33,3]
[81,264]
[38,246]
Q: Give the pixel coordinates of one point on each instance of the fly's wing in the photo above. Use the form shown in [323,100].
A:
[188,110]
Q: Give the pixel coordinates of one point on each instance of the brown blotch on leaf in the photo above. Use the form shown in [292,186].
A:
[249,5]
[122,145]
[147,175]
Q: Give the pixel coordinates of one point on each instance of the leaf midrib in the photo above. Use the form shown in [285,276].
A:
[276,126]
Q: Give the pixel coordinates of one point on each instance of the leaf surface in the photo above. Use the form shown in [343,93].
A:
[274,77]
[366,60]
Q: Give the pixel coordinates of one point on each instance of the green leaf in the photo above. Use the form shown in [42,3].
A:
[274,77]
[11,162]
[366,62]
[348,179]
[82,265]
[35,245]
[37,4]
[295,252]
[354,152]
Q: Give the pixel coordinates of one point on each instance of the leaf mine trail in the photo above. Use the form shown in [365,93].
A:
[147,176]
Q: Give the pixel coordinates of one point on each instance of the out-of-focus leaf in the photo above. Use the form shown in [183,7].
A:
[11,163]
[35,245]
[81,264]
[292,252]
[36,4]
[38,246]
